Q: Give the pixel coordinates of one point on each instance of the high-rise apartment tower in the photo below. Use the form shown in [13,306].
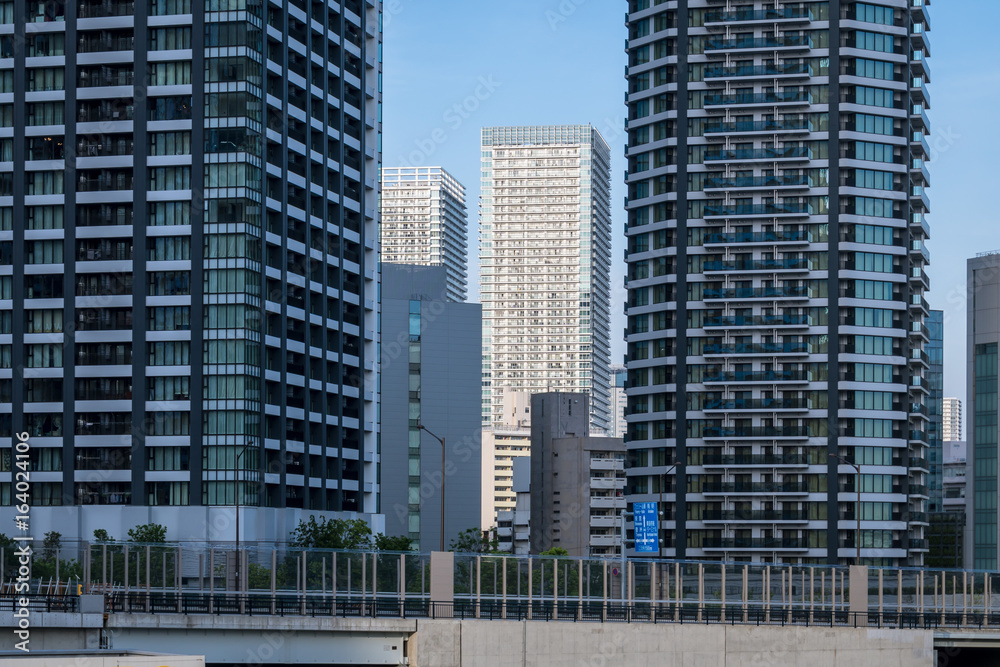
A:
[776,276]
[952,420]
[190,296]
[546,257]
[425,222]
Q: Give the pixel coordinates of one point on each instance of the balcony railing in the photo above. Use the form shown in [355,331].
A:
[777,42]
[786,153]
[759,487]
[757,293]
[719,71]
[757,321]
[759,404]
[760,376]
[739,99]
[733,182]
[800,263]
[751,15]
[758,348]
[754,543]
[756,460]
[788,124]
[755,515]
[756,432]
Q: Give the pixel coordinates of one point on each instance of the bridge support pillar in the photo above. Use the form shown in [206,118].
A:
[859,594]
[443,584]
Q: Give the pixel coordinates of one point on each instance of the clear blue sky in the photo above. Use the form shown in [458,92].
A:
[452,67]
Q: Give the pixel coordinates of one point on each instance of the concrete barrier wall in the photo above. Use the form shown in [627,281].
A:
[534,644]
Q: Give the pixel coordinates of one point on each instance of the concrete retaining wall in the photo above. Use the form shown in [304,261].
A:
[530,644]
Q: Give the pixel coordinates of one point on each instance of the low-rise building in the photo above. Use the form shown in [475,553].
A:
[577,480]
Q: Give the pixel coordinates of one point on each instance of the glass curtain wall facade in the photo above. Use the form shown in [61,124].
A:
[776,276]
[545,252]
[983,387]
[188,251]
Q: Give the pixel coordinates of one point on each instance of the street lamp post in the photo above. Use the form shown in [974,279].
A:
[857,469]
[443,450]
[236,478]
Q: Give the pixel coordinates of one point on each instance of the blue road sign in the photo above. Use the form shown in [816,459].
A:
[647,527]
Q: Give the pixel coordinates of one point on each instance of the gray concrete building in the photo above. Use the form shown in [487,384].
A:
[577,480]
[982,374]
[431,377]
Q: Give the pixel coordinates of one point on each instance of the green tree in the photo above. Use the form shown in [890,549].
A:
[474,541]
[400,543]
[8,544]
[101,535]
[150,533]
[333,534]
[51,545]
[555,551]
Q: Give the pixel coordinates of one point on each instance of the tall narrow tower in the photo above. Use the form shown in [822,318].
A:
[776,276]
[546,258]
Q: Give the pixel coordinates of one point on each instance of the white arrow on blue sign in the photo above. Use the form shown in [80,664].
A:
[647,527]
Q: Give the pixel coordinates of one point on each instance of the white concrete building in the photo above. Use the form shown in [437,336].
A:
[546,256]
[951,423]
[425,222]
[619,401]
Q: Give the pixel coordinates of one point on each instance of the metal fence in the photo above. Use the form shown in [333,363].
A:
[273,579]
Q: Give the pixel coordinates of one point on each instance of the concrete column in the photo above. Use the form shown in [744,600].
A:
[555,588]
[965,598]
[274,582]
[604,579]
[859,594]
[923,596]
[812,593]
[443,583]
[881,595]
[503,609]
[305,584]
[701,590]
[746,591]
[530,591]
[579,592]
[679,586]
[767,594]
[652,592]
[986,600]
[722,613]
[790,587]
[211,577]
[333,580]
[479,582]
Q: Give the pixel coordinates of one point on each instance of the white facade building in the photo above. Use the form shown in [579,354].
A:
[951,422]
[546,257]
[619,401]
[425,222]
